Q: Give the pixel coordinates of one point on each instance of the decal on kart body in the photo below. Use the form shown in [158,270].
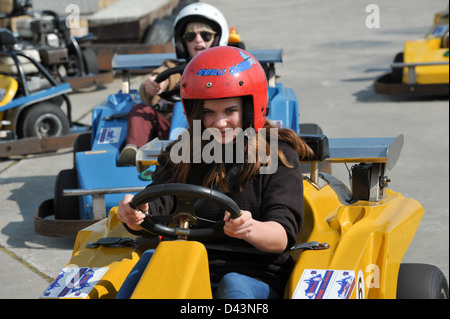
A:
[74,282]
[440,30]
[109,135]
[325,284]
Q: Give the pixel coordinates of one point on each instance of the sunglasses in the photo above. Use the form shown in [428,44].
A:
[191,35]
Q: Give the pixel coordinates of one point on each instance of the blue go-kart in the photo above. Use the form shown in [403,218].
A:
[86,193]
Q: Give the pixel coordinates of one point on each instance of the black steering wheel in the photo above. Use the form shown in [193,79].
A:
[174,94]
[184,214]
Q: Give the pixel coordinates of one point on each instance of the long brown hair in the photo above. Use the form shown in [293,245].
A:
[216,176]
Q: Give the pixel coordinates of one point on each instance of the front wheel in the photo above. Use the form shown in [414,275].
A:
[43,120]
[397,73]
[421,281]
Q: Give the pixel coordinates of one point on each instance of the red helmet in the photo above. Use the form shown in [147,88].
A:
[225,72]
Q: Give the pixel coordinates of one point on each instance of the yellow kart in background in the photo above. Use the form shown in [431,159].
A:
[351,244]
[423,67]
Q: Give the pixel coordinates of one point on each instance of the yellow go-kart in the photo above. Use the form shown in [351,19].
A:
[351,244]
[423,67]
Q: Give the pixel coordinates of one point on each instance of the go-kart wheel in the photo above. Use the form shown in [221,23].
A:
[82,144]
[43,120]
[185,195]
[66,207]
[174,94]
[90,61]
[397,73]
[421,281]
[159,33]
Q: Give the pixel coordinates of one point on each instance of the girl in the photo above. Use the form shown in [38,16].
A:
[198,26]
[224,89]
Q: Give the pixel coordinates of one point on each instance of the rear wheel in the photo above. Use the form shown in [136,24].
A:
[421,281]
[43,120]
[81,144]
[159,33]
[66,207]
[90,61]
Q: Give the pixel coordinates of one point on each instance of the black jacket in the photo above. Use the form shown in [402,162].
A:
[271,197]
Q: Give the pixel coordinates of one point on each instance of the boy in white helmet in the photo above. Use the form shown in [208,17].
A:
[198,26]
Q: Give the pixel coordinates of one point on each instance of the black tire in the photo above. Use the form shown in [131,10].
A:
[159,33]
[397,73]
[66,207]
[82,144]
[421,281]
[90,61]
[43,120]
[181,5]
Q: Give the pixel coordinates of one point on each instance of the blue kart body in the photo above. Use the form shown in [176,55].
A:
[101,182]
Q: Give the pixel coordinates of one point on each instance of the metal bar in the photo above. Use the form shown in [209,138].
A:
[100,191]
[98,197]
[411,74]
[98,206]
[405,65]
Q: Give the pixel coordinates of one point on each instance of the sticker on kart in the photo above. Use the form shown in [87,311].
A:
[325,284]
[74,282]
[109,135]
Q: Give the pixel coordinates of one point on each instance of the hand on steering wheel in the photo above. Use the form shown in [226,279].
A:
[174,94]
[184,215]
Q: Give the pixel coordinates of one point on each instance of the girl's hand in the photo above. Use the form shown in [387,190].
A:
[268,236]
[240,227]
[153,88]
[126,214]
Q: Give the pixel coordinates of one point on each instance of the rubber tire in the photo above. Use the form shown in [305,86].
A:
[30,118]
[159,33]
[90,61]
[397,73]
[66,207]
[81,144]
[181,5]
[421,281]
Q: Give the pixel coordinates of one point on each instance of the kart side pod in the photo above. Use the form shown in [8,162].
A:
[364,232]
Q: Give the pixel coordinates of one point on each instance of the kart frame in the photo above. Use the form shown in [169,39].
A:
[362,239]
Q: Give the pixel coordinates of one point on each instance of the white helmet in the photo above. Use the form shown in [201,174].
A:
[199,12]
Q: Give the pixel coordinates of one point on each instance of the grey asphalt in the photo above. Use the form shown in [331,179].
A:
[331,59]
